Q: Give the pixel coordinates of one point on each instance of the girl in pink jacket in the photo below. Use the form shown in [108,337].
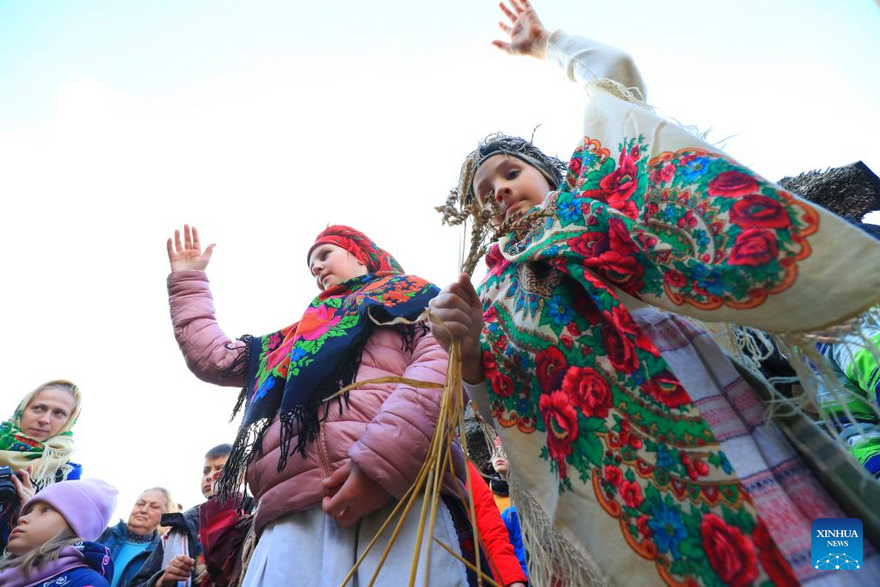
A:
[326,473]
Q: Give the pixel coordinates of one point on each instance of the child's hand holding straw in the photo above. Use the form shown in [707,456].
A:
[458,308]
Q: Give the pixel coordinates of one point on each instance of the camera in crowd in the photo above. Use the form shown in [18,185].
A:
[8,494]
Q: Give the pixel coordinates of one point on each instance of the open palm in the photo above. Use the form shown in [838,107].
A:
[527,35]
[187,254]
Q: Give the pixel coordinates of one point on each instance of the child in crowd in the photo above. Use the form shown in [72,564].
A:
[176,555]
[36,444]
[638,454]
[132,542]
[502,559]
[855,364]
[52,543]
[508,514]
[326,474]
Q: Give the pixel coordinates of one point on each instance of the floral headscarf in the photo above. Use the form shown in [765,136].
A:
[290,373]
[47,457]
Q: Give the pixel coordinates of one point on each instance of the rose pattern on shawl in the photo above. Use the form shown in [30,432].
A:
[617,188]
[611,255]
[753,247]
[757,211]
[620,349]
[631,493]
[550,367]
[316,324]
[562,427]
[730,553]
[771,559]
[588,390]
[613,475]
[667,390]
[649,455]
[731,184]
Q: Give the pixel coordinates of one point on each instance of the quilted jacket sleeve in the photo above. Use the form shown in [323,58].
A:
[394,444]
[502,560]
[209,353]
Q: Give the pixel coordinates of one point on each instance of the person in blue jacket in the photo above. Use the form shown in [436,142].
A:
[131,543]
[509,515]
[52,542]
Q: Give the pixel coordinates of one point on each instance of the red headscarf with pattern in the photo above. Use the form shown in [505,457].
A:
[358,244]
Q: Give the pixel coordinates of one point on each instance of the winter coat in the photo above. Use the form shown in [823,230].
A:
[85,564]
[511,520]
[502,560]
[187,523]
[385,429]
[114,539]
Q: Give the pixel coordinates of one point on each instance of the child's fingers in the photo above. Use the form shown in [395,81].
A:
[170,248]
[348,518]
[187,237]
[334,506]
[457,322]
[505,28]
[450,300]
[453,310]
[468,288]
[502,45]
[507,11]
[196,242]
[517,6]
[178,245]
[209,251]
[337,477]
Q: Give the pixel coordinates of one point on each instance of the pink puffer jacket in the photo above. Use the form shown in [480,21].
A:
[385,430]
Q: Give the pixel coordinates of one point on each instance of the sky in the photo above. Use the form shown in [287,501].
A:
[263,122]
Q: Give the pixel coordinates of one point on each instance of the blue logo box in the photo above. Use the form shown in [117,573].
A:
[836,544]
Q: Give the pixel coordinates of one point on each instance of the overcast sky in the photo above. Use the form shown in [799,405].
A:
[262,122]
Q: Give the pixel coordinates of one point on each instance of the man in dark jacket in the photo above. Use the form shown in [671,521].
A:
[183,534]
[131,543]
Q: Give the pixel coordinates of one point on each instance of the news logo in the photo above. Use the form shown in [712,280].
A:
[836,544]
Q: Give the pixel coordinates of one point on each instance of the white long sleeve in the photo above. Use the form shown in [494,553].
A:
[584,60]
[479,395]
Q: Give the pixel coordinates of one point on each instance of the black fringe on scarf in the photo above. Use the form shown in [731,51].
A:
[308,417]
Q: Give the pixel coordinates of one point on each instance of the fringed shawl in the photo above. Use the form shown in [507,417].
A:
[601,434]
[291,373]
[49,458]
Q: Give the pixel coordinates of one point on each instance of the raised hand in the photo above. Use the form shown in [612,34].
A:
[188,255]
[458,307]
[527,35]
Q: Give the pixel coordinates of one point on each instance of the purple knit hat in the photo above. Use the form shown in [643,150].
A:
[86,504]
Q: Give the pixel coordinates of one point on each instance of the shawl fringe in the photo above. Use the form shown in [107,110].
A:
[303,421]
[238,367]
[553,558]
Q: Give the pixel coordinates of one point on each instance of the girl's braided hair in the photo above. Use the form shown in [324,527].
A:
[462,203]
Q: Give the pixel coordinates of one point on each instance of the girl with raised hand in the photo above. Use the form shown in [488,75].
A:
[53,541]
[326,474]
[638,454]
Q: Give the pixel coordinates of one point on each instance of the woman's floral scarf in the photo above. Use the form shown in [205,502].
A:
[47,457]
[290,373]
[599,430]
